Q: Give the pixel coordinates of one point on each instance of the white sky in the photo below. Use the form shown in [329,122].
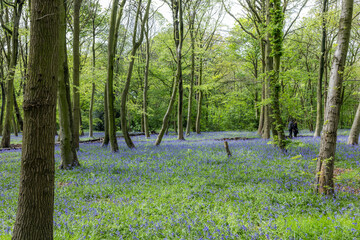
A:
[165,11]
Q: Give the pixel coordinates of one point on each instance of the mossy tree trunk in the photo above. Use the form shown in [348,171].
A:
[5,141]
[276,19]
[34,216]
[324,174]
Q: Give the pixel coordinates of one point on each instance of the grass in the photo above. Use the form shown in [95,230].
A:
[191,190]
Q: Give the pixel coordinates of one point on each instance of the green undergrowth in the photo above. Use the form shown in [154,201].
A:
[192,190]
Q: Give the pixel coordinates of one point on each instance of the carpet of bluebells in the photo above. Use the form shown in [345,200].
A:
[192,190]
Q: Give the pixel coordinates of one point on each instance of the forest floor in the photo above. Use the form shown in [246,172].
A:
[192,190]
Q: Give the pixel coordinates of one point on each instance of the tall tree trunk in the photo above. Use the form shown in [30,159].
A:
[34,216]
[146,80]
[276,42]
[91,132]
[67,148]
[17,113]
[177,10]
[200,98]
[192,77]
[105,142]
[165,122]
[76,72]
[324,182]
[15,128]
[5,141]
[114,21]
[269,68]
[3,102]
[355,129]
[319,106]
[136,45]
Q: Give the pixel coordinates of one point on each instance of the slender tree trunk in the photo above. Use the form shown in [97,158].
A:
[34,216]
[136,45]
[3,102]
[269,68]
[15,128]
[165,122]
[18,114]
[324,182]
[105,142]
[319,106]
[67,148]
[200,98]
[91,132]
[192,77]
[355,129]
[146,79]
[177,9]
[261,120]
[5,141]
[76,72]
[114,22]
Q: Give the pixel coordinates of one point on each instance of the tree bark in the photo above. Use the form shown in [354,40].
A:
[3,102]
[177,7]
[76,72]
[5,141]
[319,106]
[146,82]
[324,183]
[136,45]
[276,42]
[34,217]
[67,147]
[200,98]
[192,77]
[17,113]
[165,122]
[355,129]
[91,132]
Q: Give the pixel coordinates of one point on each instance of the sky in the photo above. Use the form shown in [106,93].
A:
[165,11]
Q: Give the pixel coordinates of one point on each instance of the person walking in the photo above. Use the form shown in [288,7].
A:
[295,128]
[290,127]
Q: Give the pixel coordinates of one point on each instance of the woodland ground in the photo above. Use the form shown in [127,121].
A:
[192,190]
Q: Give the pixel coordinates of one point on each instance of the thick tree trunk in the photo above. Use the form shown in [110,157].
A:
[355,129]
[76,72]
[276,42]
[5,141]
[67,148]
[319,106]
[34,216]
[324,182]
[164,127]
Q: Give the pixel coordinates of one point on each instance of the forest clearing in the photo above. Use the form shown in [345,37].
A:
[192,190]
[179,119]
